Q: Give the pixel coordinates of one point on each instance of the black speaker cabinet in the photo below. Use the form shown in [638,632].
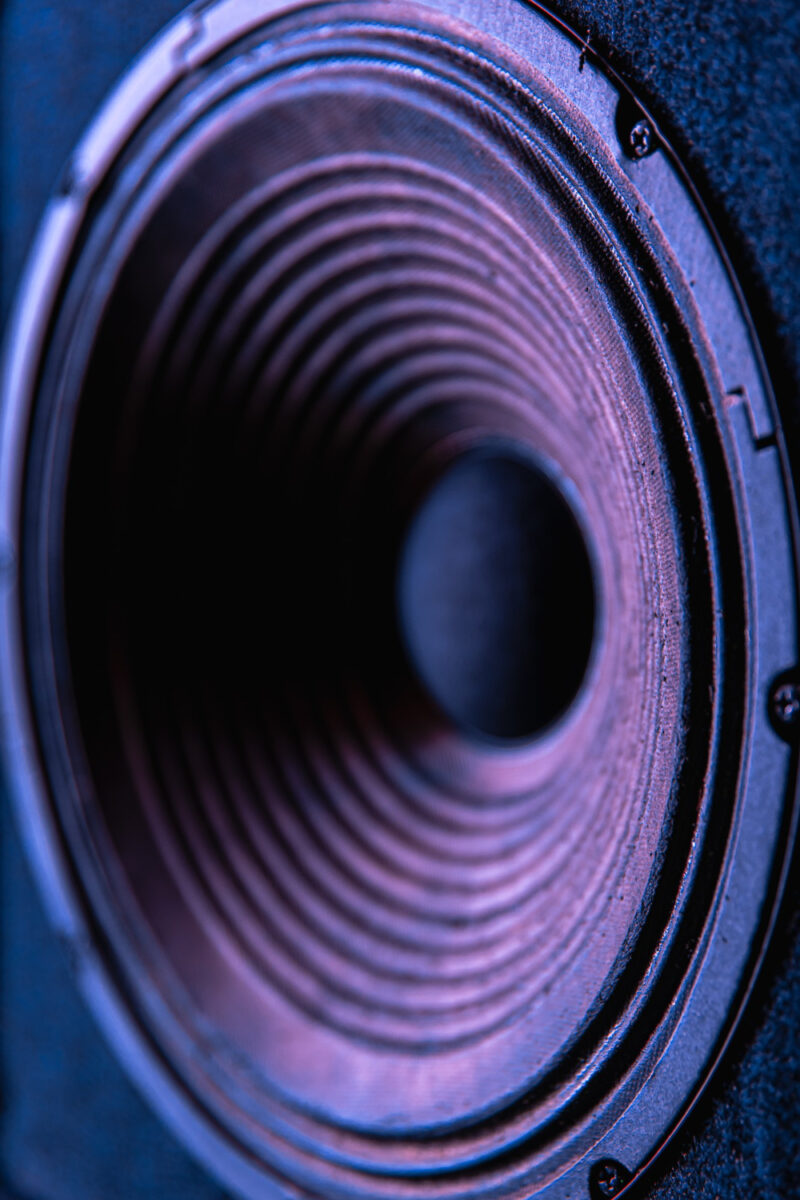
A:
[399,672]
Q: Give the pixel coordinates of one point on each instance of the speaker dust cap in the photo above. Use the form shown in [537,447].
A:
[399,565]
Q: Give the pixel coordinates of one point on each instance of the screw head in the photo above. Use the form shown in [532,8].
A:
[785,706]
[607,1179]
[640,138]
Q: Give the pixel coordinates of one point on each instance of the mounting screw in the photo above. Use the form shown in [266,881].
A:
[641,138]
[784,706]
[607,1178]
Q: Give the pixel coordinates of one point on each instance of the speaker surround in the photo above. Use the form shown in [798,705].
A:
[307,269]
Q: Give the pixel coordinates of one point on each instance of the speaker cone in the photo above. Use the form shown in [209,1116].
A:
[403,564]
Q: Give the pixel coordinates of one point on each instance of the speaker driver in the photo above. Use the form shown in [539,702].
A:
[399,619]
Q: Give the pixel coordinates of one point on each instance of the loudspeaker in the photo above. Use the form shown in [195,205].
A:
[399,617]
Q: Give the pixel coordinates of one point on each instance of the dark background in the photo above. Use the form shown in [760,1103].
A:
[723,79]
